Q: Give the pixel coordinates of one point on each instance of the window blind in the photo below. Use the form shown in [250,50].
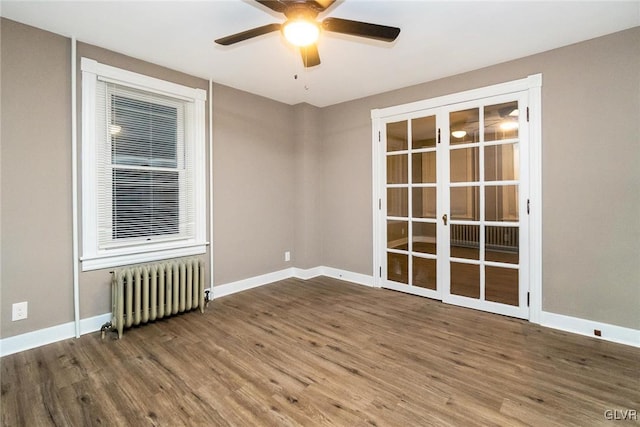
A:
[145,167]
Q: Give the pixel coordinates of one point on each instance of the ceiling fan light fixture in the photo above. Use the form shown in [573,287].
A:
[301,32]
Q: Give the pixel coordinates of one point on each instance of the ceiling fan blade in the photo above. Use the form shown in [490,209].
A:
[361,29]
[310,55]
[278,6]
[245,35]
[282,5]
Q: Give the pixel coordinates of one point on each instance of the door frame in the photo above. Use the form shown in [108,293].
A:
[533,86]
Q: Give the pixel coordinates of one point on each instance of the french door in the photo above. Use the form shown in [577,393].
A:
[453,203]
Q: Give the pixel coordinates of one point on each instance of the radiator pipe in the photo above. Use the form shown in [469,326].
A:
[74,190]
[108,326]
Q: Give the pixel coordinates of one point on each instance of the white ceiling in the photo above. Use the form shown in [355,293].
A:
[438,39]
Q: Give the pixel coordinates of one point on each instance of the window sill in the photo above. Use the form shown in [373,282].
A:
[117,260]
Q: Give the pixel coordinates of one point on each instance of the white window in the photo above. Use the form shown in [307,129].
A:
[143,170]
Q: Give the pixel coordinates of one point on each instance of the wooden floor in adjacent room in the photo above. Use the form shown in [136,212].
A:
[324,352]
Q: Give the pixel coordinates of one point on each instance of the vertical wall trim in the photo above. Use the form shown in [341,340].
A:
[535,192]
[211,185]
[376,195]
[74,189]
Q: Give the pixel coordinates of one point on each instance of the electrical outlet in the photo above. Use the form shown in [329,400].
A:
[19,311]
[287,256]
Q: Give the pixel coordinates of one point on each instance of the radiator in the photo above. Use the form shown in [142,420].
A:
[496,238]
[144,293]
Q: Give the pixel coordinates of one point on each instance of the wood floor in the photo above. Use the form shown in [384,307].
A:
[324,352]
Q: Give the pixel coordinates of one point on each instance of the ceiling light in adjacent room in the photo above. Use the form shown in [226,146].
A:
[510,125]
[459,134]
[301,32]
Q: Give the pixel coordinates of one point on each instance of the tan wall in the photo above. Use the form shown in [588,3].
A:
[347,185]
[591,179]
[308,187]
[36,178]
[253,177]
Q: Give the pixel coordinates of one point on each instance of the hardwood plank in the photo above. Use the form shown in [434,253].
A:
[328,353]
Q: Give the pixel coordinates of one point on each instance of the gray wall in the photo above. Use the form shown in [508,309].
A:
[298,178]
[308,187]
[35,132]
[254,183]
[591,177]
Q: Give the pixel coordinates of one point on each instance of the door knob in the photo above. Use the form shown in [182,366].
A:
[444,218]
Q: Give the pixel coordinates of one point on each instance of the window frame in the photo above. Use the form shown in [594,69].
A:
[93,257]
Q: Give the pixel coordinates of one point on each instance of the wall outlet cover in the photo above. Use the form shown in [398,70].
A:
[19,311]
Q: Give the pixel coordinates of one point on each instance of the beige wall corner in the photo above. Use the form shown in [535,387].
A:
[308,187]
[254,185]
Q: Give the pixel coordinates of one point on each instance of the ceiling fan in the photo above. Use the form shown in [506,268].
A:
[302,29]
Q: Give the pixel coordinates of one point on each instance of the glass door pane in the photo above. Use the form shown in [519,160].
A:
[465,279]
[424,273]
[424,191]
[424,202]
[411,205]
[397,201]
[464,201]
[484,200]
[397,136]
[501,204]
[501,285]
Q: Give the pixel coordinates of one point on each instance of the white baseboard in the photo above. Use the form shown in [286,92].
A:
[299,273]
[50,335]
[252,282]
[306,274]
[613,333]
[92,324]
[37,338]
[18,343]
[349,276]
